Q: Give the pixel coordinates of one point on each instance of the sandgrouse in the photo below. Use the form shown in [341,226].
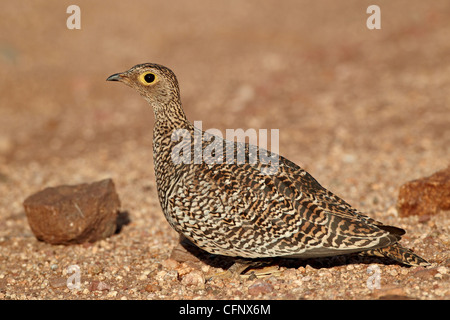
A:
[239,209]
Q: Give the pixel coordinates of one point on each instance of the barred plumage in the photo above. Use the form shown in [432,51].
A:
[235,209]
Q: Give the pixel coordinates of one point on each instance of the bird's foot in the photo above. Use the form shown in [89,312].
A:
[233,272]
[236,270]
[262,272]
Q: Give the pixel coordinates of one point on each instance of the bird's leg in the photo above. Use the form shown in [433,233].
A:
[233,272]
[240,265]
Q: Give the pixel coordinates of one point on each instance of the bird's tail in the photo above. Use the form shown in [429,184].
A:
[399,254]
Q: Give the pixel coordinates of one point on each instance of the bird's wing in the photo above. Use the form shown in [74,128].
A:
[242,212]
[329,202]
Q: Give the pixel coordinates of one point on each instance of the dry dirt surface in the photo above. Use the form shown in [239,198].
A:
[364,111]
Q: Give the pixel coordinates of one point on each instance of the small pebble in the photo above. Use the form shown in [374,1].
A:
[170,263]
[58,282]
[260,287]
[393,272]
[194,278]
[442,270]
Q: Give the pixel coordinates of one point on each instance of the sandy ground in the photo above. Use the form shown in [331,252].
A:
[364,111]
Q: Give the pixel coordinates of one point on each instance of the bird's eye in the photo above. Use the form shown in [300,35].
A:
[147,78]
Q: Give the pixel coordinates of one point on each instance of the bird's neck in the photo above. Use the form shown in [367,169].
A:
[169,117]
[169,112]
[167,122]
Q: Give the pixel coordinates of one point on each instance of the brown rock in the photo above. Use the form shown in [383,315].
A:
[426,196]
[170,263]
[181,254]
[194,278]
[390,293]
[260,287]
[151,287]
[425,273]
[57,282]
[394,297]
[99,286]
[74,214]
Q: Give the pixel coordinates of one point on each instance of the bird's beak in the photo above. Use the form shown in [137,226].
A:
[115,77]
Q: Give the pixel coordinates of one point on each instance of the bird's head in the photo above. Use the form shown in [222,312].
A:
[156,83]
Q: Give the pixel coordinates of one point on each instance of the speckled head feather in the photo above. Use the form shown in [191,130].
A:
[156,83]
[234,210]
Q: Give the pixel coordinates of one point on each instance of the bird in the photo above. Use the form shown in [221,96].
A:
[240,209]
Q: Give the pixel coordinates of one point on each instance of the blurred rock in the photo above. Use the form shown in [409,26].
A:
[426,196]
[151,287]
[260,287]
[170,263]
[180,254]
[390,293]
[74,214]
[194,278]
[185,251]
[57,282]
[425,273]
[99,286]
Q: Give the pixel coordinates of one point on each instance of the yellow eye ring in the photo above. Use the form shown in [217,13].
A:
[147,78]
